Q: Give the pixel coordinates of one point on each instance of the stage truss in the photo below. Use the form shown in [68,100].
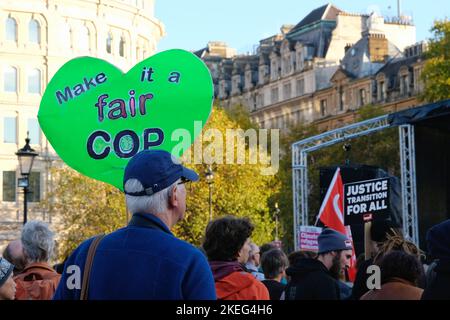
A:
[302,148]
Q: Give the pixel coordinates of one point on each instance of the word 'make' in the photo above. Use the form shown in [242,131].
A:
[80,88]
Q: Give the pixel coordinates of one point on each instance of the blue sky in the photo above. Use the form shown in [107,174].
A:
[190,24]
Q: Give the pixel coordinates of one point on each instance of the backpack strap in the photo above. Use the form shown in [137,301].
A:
[88,266]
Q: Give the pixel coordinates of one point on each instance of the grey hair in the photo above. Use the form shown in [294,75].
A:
[156,203]
[38,242]
[253,248]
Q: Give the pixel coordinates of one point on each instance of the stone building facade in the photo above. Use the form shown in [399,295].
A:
[320,70]
[37,37]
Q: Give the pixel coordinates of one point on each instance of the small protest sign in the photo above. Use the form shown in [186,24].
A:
[308,238]
[365,197]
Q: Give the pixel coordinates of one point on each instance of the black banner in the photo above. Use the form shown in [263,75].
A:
[365,197]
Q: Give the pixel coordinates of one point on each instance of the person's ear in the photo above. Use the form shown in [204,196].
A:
[173,199]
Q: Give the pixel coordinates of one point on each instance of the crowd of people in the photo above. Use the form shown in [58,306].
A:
[144,260]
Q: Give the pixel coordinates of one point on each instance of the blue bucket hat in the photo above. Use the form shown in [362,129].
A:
[331,240]
[6,269]
[155,170]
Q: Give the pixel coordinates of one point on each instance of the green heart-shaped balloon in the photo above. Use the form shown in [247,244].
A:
[96,118]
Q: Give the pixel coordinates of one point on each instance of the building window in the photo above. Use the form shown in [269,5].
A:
[10,79]
[122,47]
[295,116]
[323,107]
[34,131]
[404,85]
[287,91]
[300,87]
[83,38]
[236,85]
[382,90]
[280,122]
[11,29]
[362,97]
[35,187]
[248,79]
[274,95]
[417,75]
[260,100]
[34,81]
[9,130]
[286,66]
[341,99]
[109,43]
[34,32]
[9,186]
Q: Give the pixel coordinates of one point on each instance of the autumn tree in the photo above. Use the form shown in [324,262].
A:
[84,207]
[238,189]
[436,72]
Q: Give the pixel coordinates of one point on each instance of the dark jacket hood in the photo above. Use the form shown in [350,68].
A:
[438,239]
[305,266]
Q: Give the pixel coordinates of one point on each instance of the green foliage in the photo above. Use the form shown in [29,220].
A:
[378,149]
[237,189]
[240,115]
[82,207]
[85,207]
[436,73]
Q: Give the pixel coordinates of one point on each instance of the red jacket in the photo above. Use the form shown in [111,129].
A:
[38,281]
[241,286]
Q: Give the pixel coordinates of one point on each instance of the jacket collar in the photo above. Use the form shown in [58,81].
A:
[399,280]
[38,265]
[148,220]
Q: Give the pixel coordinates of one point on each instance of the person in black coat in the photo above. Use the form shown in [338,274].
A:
[316,279]
[379,232]
[274,263]
[438,241]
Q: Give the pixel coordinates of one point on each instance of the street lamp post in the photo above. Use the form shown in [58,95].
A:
[209,180]
[277,212]
[26,157]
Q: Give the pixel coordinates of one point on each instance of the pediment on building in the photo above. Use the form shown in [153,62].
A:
[341,75]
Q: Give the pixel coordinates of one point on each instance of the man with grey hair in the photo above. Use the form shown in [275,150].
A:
[38,281]
[143,260]
[253,262]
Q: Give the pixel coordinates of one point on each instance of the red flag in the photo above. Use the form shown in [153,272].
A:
[331,214]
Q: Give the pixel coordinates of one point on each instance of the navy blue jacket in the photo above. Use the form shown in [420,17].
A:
[141,261]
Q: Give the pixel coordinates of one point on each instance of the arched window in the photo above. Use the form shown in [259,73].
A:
[109,43]
[122,47]
[84,38]
[11,29]
[34,81]
[10,79]
[34,32]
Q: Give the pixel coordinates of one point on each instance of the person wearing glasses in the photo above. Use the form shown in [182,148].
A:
[317,279]
[144,260]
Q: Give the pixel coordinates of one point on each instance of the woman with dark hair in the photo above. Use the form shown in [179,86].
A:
[227,245]
[400,274]
[274,264]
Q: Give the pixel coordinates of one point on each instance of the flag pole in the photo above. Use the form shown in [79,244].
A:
[367,240]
